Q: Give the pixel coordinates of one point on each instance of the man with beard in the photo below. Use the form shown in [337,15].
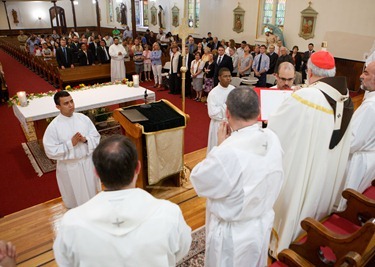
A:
[117,53]
[360,170]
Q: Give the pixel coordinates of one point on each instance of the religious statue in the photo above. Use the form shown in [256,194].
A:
[15,17]
[118,14]
[124,20]
[161,17]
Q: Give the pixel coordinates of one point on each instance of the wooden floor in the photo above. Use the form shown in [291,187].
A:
[33,230]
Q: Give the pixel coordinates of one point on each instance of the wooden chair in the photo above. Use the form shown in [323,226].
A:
[352,230]
[289,258]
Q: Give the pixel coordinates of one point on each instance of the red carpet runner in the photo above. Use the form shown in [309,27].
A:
[20,186]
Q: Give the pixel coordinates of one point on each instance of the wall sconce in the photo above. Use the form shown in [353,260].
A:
[39,18]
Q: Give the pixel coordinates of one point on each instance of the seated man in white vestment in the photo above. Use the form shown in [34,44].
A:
[216,105]
[70,139]
[241,179]
[361,166]
[314,131]
[118,54]
[123,225]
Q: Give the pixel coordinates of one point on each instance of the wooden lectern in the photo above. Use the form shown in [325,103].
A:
[162,117]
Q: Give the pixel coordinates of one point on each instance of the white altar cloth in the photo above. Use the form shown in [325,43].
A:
[44,107]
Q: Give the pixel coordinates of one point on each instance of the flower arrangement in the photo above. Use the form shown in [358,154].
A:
[15,101]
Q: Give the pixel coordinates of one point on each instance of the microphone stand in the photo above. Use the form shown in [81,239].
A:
[145,105]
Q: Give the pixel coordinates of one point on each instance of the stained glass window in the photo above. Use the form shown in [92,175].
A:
[280,13]
[193,13]
[273,13]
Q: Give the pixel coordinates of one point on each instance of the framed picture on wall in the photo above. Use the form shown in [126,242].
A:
[308,22]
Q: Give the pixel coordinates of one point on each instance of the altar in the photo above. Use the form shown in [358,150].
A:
[33,116]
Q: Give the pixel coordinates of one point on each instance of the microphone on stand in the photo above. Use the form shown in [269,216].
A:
[145,105]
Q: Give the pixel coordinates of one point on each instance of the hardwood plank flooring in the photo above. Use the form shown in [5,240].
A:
[33,230]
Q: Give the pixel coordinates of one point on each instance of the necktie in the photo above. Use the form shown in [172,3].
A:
[106,54]
[219,61]
[172,64]
[87,58]
[259,62]
[66,56]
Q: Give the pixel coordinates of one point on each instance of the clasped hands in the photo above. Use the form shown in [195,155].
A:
[224,132]
[7,254]
[78,137]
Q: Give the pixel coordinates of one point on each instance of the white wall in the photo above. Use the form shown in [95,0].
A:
[350,21]
[28,13]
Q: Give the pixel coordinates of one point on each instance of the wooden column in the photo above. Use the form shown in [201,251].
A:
[74,15]
[134,26]
[6,12]
[57,17]
[98,17]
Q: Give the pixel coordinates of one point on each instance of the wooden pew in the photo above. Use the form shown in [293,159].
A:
[90,74]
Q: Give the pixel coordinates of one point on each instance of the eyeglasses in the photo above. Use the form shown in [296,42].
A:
[286,79]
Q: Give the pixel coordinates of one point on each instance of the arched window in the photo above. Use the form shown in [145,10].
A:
[193,13]
[271,12]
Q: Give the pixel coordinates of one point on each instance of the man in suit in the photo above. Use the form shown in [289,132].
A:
[103,53]
[93,47]
[305,58]
[64,56]
[191,45]
[284,57]
[189,57]
[222,60]
[74,46]
[85,57]
[215,44]
[261,65]
[273,59]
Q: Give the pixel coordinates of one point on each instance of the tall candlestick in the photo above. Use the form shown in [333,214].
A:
[22,98]
[136,80]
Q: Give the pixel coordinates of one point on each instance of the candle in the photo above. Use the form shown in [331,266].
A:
[136,80]
[22,98]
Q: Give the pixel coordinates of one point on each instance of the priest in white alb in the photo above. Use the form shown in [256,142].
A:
[117,53]
[70,139]
[216,105]
[361,166]
[123,225]
[241,178]
[313,126]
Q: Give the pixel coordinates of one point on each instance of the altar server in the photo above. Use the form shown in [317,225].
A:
[241,178]
[118,54]
[216,105]
[70,139]
[123,225]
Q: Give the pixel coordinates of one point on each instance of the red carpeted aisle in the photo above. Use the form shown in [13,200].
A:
[20,187]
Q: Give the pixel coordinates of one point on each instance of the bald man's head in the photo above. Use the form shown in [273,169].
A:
[285,75]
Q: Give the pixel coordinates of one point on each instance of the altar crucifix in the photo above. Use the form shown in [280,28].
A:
[183,32]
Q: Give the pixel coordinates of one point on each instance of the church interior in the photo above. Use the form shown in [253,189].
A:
[30,204]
